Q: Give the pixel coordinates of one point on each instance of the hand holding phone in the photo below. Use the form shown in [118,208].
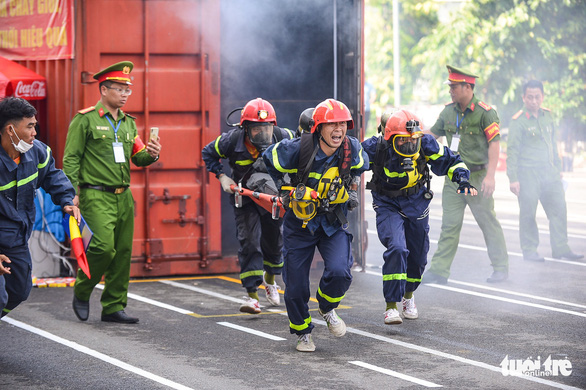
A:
[154,133]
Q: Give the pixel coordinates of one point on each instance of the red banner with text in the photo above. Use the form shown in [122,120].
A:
[36,29]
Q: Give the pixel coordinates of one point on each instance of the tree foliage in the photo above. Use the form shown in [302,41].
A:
[508,42]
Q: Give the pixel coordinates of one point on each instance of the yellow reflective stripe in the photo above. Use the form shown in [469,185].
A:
[361,162]
[244,162]
[245,275]
[394,174]
[272,265]
[413,280]
[43,165]
[388,277]
[7,186]
[216,145]
[437,155]
[277,164]
[302,326]
[452,169]
[315,175]
[290,133]
[328,298]
[27,179]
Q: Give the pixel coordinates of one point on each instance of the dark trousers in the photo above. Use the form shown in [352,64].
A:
[16,286]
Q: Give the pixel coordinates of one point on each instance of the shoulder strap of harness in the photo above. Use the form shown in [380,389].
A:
[309,146]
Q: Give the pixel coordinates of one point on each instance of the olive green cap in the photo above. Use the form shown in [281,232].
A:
[119,73]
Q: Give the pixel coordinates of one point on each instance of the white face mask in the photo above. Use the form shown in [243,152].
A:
[22,146]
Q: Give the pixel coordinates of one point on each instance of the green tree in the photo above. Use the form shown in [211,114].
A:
[508,42]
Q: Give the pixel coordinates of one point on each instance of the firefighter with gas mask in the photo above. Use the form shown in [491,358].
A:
[325,167]
[400,159]
[259,235]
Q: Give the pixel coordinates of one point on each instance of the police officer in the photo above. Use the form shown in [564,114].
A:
[399,160]
[324,166]
[258,233]
[26,164]
[471,128]
[101,141]
[535,174]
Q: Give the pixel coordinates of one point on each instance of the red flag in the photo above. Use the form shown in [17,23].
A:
[77,247]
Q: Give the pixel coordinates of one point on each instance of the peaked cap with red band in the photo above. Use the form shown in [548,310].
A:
[118,73]
[457,76]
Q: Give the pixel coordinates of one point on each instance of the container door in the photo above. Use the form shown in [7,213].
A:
[175,88]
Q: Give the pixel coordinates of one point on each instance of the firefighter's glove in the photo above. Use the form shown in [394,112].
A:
[226,182]
[285,199]
[465,187]
[352,201]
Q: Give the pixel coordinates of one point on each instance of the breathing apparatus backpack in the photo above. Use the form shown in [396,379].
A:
[332,188]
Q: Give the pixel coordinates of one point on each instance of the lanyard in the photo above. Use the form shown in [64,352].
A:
[459,121]
[115,128]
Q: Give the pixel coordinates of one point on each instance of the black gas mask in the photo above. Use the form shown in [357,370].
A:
[260,134]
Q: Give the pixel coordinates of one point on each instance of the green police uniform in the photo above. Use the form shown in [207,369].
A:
[104,198]
[476,127]
[534,162]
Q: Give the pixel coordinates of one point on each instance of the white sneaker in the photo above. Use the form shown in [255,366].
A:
[272,292]
[305,343]
[250,305]
[336,325]
[392,317]
[409,309]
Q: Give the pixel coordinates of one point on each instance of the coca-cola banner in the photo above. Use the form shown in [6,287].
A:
[16,80]
[36,29]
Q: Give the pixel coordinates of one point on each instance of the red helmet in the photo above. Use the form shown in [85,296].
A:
[402,122]
[331,111]
[258,110]
[402,129]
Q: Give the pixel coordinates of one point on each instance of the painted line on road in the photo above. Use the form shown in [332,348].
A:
[503,299]
[153,302]
[251,331]
[202,291]
[97,355]
[483,249]
[395,374]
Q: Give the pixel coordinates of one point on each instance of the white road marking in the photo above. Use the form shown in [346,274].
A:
[96,354]
[203,291]
[497,298]
[251,331]
[395,374]
[153,302]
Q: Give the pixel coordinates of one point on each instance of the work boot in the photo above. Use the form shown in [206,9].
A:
[119,317]
[81,308]
[305,343]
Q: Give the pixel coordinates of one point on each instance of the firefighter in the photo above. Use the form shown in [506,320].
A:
[26,164]
[325,167]
[259,235]
[399,159]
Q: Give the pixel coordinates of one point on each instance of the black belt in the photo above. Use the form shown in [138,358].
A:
[114,190]
[396,193]
[476,168]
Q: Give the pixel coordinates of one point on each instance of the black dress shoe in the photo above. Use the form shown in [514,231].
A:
[569,256]
[81,308]
[119,316]
[533,257]
[430,277]
[498,276]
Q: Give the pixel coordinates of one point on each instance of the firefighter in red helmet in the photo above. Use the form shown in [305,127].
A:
[400,159]
[324,166]
[258,233]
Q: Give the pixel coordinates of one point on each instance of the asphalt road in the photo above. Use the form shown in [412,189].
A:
[191,335]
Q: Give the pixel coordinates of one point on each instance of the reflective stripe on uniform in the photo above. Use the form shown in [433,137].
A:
[216,146]
[243,162]
[280,265]
[44,164]
[328,298]
[361,161]
[394,277]
[245,275]
[453,168]
[277,164]
[302,326]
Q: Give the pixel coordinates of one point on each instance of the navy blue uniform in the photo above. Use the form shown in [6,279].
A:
[258,233]
[18,185]
[333,241]
[402,220]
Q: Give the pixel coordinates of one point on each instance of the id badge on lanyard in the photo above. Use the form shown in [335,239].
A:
[118,147]
[456,137]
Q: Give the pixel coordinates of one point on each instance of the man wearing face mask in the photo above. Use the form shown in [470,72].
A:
[26,164]
[258,233]
[400,159]
[324,166]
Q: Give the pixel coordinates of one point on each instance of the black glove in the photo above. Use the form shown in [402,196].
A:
[285,199]
[463,185]
[352,201]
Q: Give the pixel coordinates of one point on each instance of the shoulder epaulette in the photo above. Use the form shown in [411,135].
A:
[133,117]
[447,104]
[86,110]
[545,109]
[485,106]
[518,114]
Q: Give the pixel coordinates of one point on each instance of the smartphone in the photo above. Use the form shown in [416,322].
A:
[154,133]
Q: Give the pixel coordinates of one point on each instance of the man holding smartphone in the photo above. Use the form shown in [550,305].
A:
[101,141]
